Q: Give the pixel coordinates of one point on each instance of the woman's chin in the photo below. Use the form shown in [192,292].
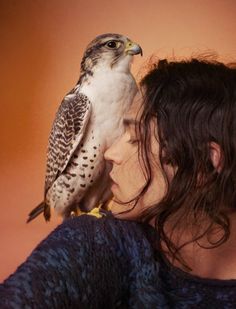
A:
[114,187]
[123,210]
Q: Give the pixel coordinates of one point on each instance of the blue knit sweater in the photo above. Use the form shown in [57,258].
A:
[107,263]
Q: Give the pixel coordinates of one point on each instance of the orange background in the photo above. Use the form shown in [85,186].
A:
[41,45]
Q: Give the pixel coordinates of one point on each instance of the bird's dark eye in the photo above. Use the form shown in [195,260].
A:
[113,44]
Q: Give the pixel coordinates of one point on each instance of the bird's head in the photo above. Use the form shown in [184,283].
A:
[109,51]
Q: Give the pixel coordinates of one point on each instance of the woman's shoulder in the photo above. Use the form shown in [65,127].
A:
[106,230]
[105,226]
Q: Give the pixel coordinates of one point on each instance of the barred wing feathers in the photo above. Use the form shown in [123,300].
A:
[67,132]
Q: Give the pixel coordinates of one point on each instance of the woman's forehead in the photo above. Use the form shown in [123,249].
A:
[133,115]
[135,109]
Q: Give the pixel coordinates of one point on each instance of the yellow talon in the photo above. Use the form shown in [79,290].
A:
[95,212]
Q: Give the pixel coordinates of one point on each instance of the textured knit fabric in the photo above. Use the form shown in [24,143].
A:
[107,263]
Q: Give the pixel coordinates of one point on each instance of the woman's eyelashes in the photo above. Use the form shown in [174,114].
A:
[133,141]
[132,138]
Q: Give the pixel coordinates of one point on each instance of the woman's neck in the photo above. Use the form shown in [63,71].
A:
[201,256]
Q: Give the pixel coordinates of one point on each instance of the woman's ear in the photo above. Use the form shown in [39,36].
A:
[216,155]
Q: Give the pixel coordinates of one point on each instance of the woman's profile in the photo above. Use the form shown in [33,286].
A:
[174,176]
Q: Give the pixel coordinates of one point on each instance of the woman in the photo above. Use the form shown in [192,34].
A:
[174,171]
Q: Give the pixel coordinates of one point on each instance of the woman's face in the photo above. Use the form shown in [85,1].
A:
[128,173]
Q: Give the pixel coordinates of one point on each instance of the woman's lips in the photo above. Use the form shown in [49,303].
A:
[112,179]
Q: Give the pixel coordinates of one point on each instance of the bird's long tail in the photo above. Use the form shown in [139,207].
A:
[42,207]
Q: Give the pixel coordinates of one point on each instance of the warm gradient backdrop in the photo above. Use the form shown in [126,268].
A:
[41,45]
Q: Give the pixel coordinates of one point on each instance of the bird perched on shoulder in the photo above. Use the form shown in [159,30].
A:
[87,122]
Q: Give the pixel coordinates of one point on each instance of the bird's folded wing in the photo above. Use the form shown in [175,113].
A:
[67,132]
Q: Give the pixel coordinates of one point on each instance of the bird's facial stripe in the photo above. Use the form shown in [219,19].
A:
[106,45]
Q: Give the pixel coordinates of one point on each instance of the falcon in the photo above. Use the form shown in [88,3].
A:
[88,121]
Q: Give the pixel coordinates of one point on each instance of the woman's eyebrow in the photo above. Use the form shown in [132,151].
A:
[129,121]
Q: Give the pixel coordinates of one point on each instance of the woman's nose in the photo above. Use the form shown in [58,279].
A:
[113,153]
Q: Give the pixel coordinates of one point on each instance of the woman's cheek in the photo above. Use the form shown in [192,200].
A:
[134,180]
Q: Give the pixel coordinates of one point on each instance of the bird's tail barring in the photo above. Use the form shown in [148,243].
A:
[42,207]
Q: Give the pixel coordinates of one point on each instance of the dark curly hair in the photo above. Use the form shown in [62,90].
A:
[194,103]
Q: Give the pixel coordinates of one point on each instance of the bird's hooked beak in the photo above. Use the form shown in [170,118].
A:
[132,48]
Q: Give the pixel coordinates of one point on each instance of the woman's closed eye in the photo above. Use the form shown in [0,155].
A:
[132,137]
[133,140]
